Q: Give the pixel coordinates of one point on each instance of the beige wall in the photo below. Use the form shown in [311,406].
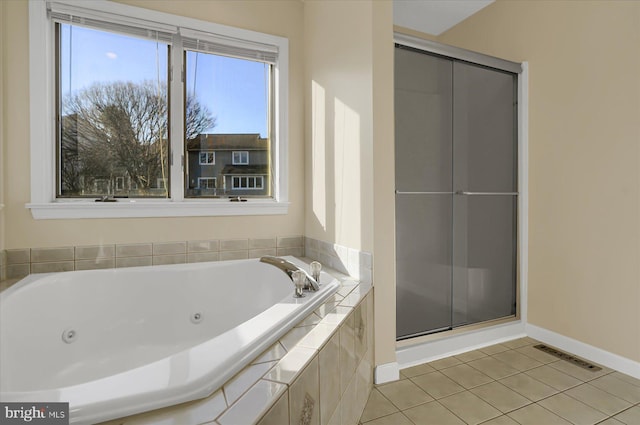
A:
[384,183]
[339,122]
[584,159]
[3,165]
[349,133]
[282,18]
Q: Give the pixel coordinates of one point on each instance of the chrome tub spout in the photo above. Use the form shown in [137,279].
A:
[310,283]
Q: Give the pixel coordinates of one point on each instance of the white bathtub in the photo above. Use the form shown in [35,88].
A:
[142,338]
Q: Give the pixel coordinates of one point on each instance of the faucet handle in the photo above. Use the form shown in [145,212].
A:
[316,267]
[299,279]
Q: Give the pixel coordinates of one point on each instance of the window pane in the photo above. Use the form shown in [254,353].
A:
[227,112]
[113,108]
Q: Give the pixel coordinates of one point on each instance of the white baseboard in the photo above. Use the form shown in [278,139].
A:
[589,352]
[387,372]
[459,343]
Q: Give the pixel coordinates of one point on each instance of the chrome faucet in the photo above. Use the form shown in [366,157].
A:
[289,268]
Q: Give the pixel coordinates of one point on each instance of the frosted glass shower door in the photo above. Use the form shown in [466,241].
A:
[456,193]
[424,193]
[485,200]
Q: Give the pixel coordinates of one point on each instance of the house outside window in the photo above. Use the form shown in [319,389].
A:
[207,158]
[206,182]
[116,122]
[247,182]
[240,157]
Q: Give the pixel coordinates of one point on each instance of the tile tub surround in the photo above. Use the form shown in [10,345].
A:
[319,373]
[353,262]
[18,263]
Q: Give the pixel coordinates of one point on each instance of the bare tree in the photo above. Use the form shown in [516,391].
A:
[121,128]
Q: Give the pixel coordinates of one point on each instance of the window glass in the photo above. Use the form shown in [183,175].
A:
[236,92]
[112,101]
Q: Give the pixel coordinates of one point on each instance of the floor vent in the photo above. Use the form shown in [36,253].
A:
[568,357]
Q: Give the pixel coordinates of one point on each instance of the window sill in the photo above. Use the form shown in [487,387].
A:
[130,209]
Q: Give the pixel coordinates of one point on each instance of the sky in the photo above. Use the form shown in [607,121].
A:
[234,90]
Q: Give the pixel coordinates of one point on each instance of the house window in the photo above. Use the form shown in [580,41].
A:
[247,182]
[207,158]
[104,70]
[120,183]
[240,157]
[206,182]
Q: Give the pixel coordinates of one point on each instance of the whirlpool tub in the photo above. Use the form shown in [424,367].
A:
[122,341]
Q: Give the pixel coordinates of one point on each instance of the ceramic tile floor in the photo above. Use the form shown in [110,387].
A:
[505,384]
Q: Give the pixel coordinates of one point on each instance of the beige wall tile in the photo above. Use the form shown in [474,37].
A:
[234,255]
[3,258]
[291,365]
[253,404]
[278,414]
[304,397]
[103,263]
[289,241]
[244,380]
[200,246]
[95,251]
[257,253]
[348,403]
[18,256]
[234,244]
[296,252]
[159,260]
[17,271]
[364,383]
[347,352]
[134,250]
[275,352]
[262,243]
[166,248]
[133,261]
[328,358]
[201,257]
[39,255]
[52,267]
[360,330]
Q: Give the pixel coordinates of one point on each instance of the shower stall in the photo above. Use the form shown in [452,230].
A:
[456,163]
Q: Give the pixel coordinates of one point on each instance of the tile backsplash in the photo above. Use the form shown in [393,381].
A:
[17,263]
[358,264]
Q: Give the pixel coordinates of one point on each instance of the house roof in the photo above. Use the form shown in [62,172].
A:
[258,169]
[228,142]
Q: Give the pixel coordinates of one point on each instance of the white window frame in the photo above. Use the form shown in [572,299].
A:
[240,154]
[255,178]
[45,205]
[201,179]
[213,158]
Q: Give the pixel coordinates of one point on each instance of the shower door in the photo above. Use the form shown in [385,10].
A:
[456,199]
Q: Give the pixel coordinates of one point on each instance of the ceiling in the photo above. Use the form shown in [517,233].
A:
[434,16]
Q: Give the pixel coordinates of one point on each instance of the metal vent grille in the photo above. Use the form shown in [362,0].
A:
[568,357]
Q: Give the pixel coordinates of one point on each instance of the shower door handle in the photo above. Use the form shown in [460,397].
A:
[399,192]
[462,192]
